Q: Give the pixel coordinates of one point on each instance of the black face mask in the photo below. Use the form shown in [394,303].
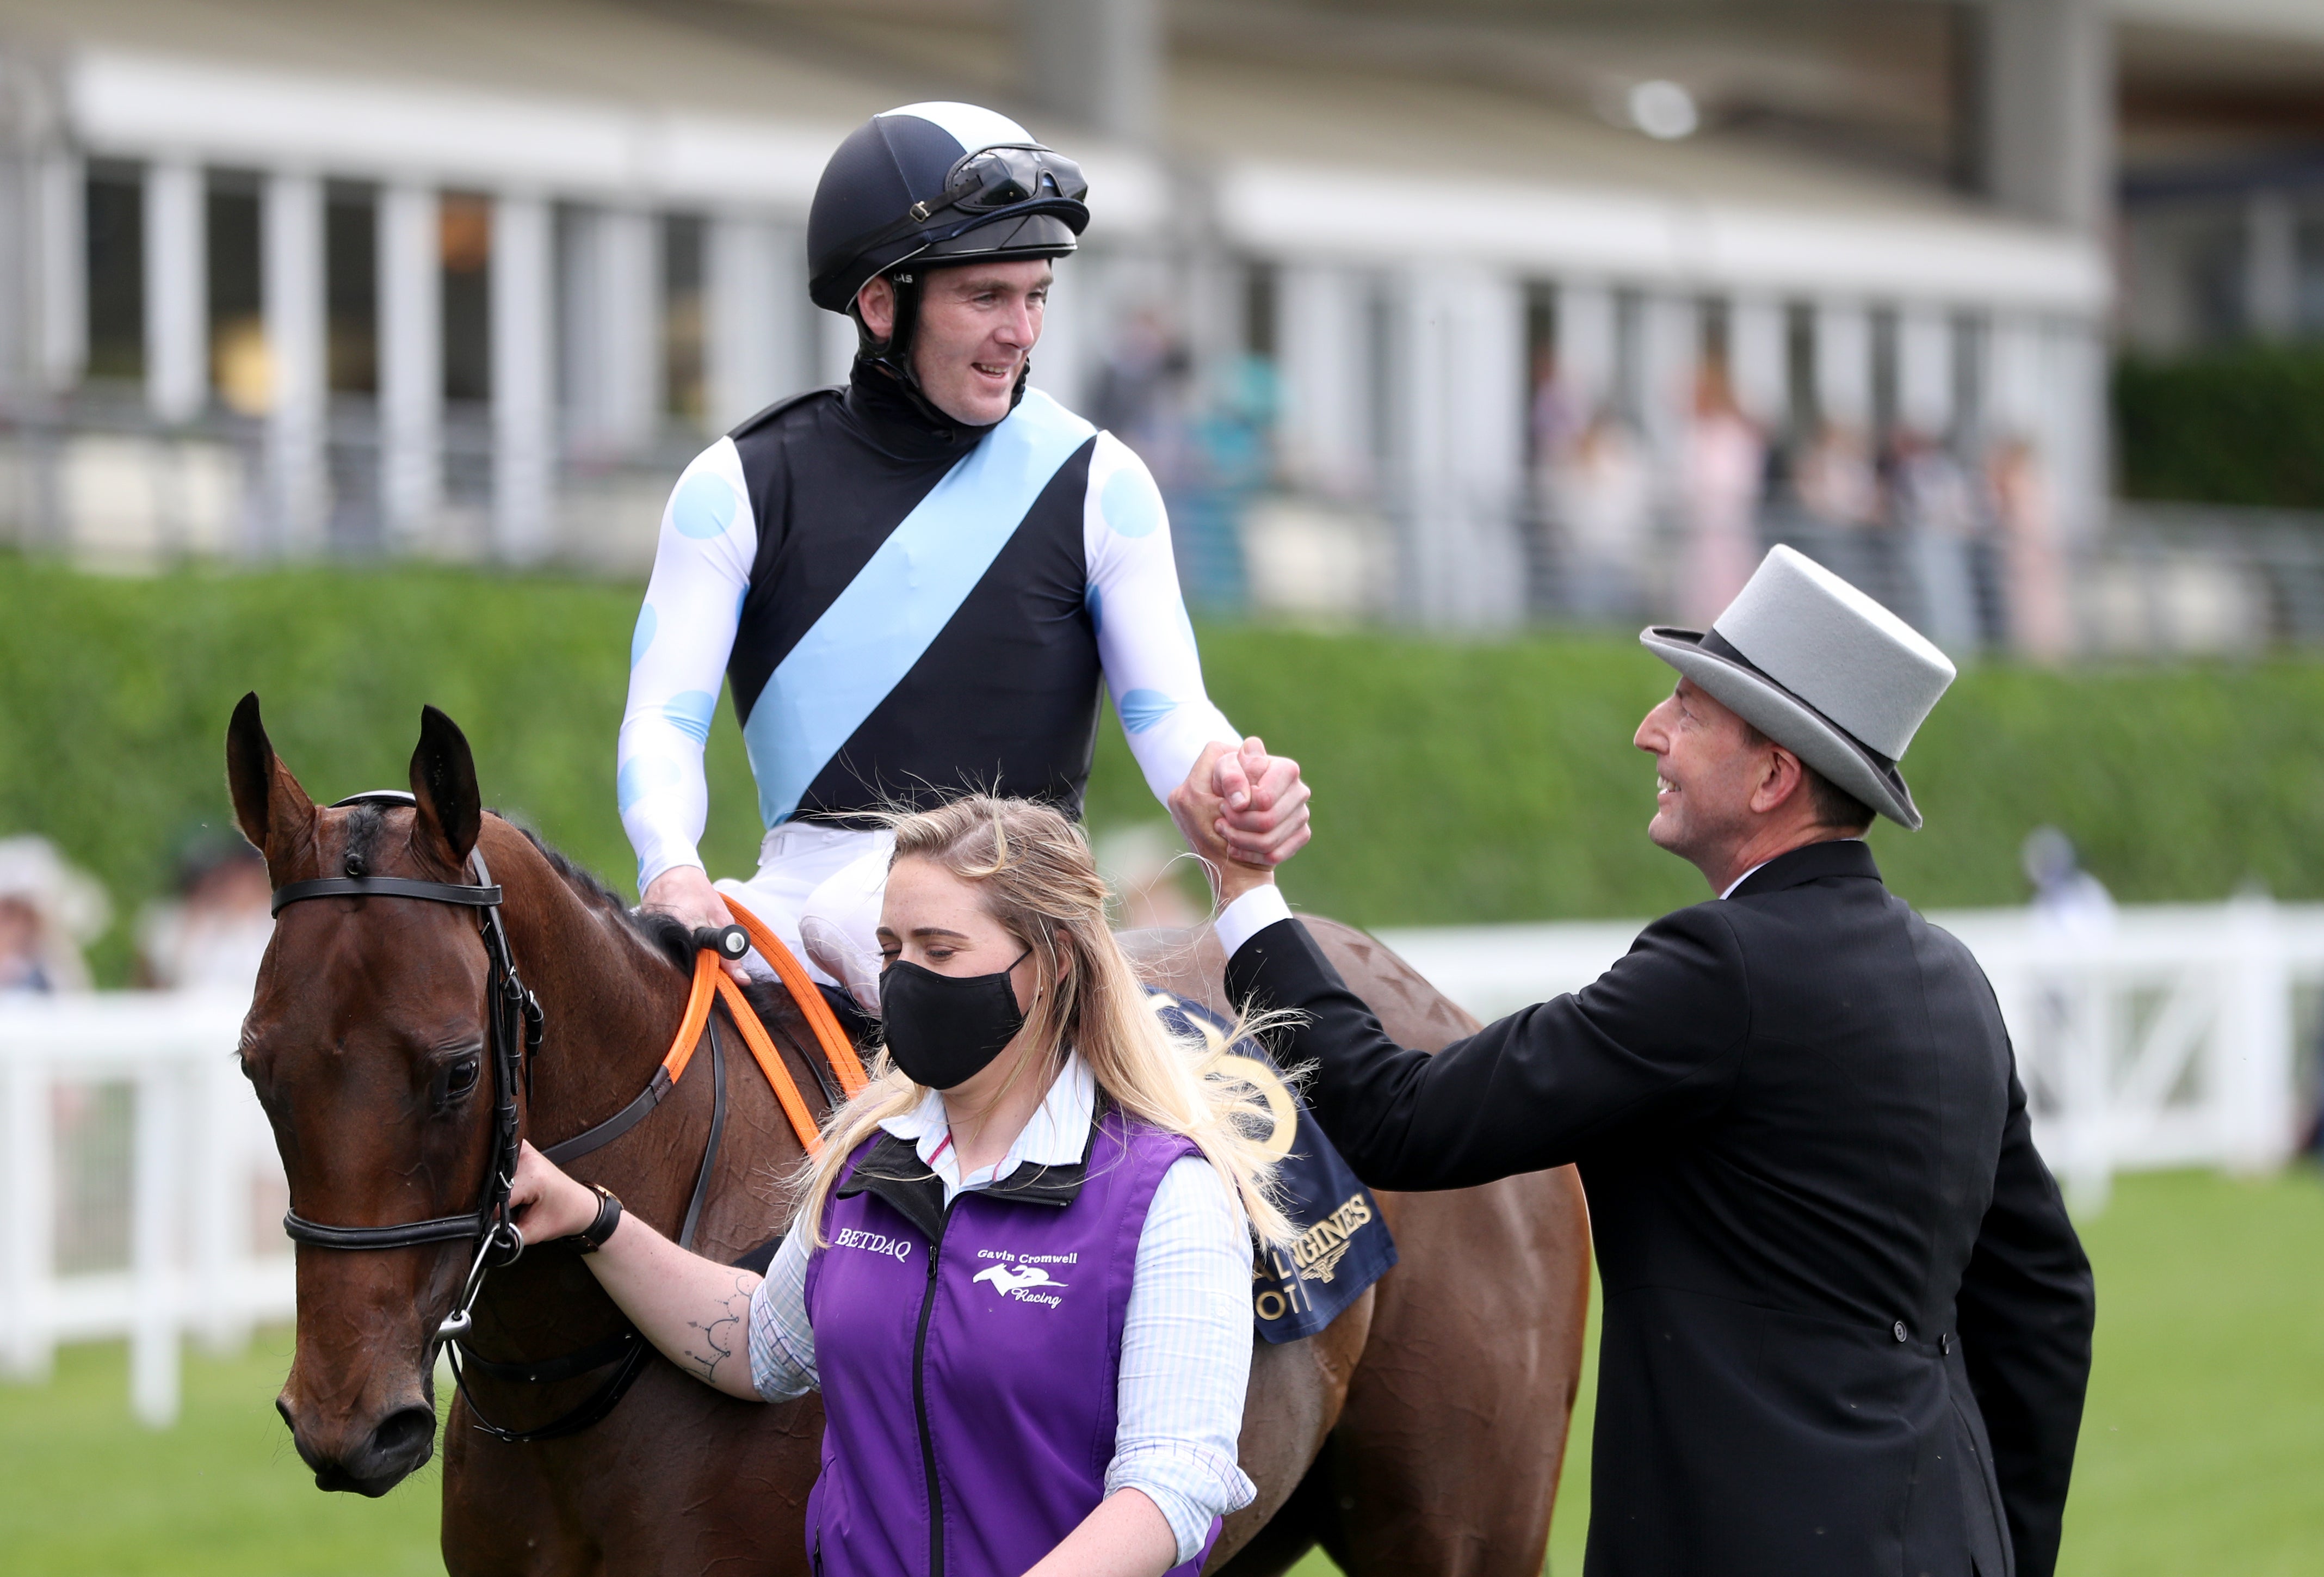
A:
[943,1030]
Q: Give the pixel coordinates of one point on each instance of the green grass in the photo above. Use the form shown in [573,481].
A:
[85,1492]
[2200,1452]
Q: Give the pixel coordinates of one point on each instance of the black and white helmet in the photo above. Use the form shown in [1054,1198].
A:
[935,183]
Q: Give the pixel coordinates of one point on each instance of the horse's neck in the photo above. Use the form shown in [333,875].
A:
[610,1001]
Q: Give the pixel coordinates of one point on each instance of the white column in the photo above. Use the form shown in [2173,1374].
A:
[1924,370]
[835,345]
[1670,357]
[177,291]
[1326,384]
[1843,363]
[1757,365]
[523,390]
[1459,369]
[2271,265]
[1095,63]
[613,311]
[63,329]
[1060,360]
[411,361]
[293,289]
[750,289]
[2076,354]
[2047,92]
[1586,349]
[2014,377]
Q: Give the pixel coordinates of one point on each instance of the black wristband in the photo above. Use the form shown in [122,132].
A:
[592,1238]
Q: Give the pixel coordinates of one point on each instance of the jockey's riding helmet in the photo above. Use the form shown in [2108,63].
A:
[936,184]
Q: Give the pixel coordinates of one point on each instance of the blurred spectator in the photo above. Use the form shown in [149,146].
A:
[212,934]
[49,911]
[1936,507]
[1145,866]
[1139,391]
[1726,467]
[1834,479]
[1231,458]
[1600,492]
[2065,896]
[2040,624]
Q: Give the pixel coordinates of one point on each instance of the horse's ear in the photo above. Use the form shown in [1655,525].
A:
[268,802]
[444,782]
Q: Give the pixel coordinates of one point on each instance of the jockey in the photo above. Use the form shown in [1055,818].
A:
[916,583]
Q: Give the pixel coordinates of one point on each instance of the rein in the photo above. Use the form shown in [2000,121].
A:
[514,1026]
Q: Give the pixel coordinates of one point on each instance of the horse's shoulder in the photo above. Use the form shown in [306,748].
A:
[1187,961]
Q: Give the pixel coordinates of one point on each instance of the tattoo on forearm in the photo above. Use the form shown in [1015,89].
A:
[718,1333]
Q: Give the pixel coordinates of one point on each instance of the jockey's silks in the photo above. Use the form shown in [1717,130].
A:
[995,679]
[970,1357]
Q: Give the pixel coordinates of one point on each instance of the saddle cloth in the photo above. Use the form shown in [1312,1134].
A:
[1342,1246]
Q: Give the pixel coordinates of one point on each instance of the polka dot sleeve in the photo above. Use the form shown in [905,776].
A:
[678,659]
[1144,639]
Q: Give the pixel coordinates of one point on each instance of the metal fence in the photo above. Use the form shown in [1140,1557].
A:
[145,1195]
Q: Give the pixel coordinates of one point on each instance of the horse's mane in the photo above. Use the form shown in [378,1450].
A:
[665,933]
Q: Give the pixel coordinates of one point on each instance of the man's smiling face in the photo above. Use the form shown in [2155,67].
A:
[977,324]
[1706,766]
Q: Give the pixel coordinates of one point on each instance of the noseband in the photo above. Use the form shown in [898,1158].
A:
[513,1023]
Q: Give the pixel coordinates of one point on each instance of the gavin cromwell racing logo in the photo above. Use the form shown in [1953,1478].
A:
[1019,1281]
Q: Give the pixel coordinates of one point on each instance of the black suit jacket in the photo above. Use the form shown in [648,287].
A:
[1847,1324]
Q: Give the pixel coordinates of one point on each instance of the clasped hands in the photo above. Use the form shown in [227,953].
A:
[1243,812]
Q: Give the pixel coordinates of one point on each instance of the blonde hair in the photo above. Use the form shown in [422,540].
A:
[1034,872]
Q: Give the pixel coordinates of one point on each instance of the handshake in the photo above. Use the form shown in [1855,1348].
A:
[1243,812]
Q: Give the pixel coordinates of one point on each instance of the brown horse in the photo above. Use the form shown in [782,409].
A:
[1422,1431]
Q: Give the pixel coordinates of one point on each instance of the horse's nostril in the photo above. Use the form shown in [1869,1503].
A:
[404,1438]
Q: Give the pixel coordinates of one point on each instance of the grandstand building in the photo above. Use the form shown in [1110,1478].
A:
[471,281]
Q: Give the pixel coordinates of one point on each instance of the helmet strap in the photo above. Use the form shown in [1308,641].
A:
[894,353]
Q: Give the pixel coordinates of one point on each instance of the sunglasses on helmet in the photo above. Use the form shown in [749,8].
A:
[991,178]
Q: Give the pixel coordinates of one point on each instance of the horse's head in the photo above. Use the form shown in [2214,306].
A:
[367,1044]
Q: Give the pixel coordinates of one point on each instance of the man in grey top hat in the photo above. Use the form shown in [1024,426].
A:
[1846,1324]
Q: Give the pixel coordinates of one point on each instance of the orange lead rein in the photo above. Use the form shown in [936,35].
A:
[771,1062]
[837,1049]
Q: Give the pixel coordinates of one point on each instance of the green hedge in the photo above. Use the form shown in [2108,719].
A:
[1456,782]
[2238,426]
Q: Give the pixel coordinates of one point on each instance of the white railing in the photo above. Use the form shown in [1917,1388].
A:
[144,1193]
[2163,1037]
[142,1183]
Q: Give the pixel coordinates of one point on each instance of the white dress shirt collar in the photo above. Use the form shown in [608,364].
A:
[1056,1135]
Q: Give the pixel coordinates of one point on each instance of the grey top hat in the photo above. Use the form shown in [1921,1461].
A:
[1821,669]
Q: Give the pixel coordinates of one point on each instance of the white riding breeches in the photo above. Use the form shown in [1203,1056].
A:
[819,889]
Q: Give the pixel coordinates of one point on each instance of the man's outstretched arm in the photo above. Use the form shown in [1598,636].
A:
[1658,1036]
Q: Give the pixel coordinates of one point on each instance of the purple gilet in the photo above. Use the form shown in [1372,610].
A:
[970,1357]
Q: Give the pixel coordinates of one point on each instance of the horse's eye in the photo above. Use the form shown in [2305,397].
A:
[461,1077]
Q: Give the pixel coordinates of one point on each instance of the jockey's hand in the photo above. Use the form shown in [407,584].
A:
[1200,807]
[685,893]
[1264,803]
[544,1203]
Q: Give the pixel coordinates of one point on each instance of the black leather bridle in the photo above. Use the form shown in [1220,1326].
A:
[513,1026]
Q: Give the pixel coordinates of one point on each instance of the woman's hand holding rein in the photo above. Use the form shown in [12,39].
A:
[696,1310]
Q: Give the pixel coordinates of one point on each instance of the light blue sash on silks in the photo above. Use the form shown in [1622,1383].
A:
[873,634]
